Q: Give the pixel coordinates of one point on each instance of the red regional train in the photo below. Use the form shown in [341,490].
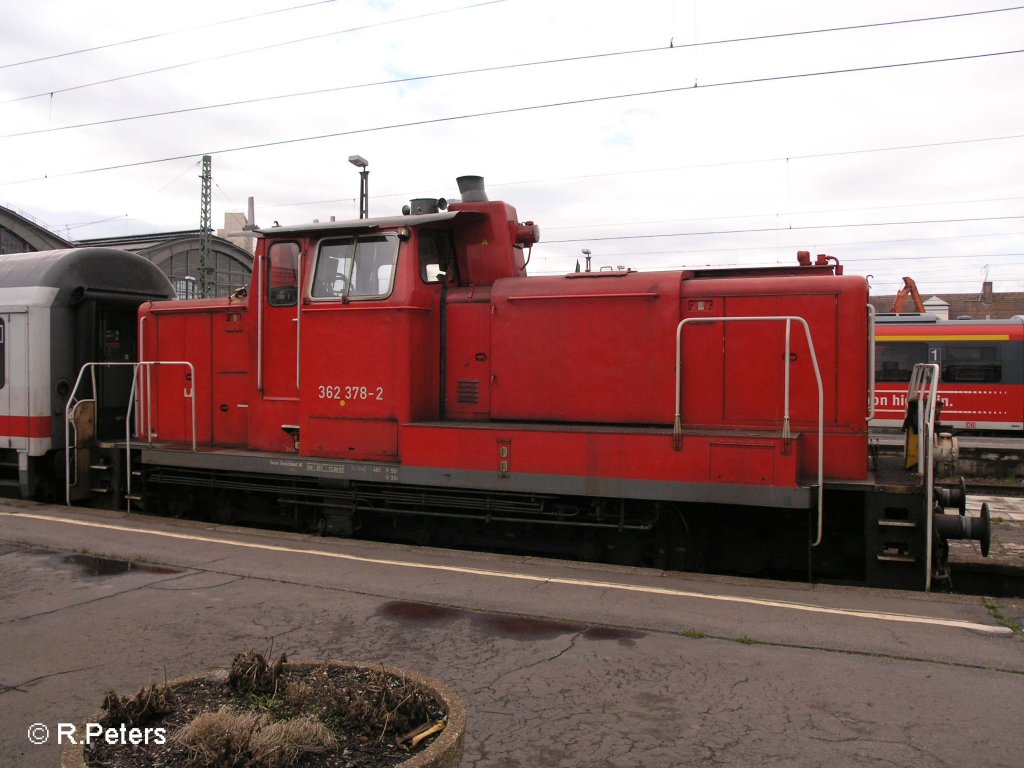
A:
[981,364]
[402,377]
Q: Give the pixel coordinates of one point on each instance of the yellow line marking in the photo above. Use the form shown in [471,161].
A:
[611,585]
[950,337]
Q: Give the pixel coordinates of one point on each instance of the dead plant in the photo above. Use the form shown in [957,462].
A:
[385,706]
[250,673]
[148,705]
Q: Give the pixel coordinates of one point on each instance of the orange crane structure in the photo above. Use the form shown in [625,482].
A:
[908,291]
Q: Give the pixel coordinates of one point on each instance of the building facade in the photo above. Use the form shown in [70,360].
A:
[178,254]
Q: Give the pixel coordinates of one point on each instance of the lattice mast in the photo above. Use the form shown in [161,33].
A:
[207,286]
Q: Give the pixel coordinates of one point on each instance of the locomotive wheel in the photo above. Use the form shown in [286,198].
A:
[624,548]
[676,548]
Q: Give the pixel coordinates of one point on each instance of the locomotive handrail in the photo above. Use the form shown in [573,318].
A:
[73,401]
[677,428]
[871,362]
[188,393]
[149,407]
[258,288]
[560,296]
[924,386]
[299,293]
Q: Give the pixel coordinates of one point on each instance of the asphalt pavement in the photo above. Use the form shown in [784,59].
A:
[559,664]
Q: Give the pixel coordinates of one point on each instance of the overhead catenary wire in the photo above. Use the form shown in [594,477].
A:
[818,246]
[259,49]
[167,33]
[550,105]
[455,73]
[800,228]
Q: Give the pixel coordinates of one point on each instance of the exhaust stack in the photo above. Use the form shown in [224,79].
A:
[471,188]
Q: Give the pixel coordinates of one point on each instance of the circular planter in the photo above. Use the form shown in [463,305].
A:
[444,752]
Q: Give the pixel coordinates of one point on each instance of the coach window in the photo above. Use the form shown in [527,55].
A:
[972,365]
[355,267]
[895,361]
[283,274]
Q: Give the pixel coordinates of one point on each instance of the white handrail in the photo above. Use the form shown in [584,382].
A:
[73,401]
[788,319]
[924,386]
[871,362]
[299,293]
[259,289]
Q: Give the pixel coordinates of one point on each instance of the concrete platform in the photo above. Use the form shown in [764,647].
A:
[560,664]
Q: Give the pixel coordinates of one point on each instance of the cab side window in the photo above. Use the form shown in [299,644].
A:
[437,256]
[283,274]
[355,267]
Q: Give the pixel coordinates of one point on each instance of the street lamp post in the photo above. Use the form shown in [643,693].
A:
[364,184]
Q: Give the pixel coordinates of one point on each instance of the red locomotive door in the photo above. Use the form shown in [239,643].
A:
[278,364]
[272,419]
[355,350]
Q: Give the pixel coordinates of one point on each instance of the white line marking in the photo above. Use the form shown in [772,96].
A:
[847,612]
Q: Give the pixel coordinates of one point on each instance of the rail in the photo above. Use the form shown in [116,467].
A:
[73,401]
[677,430]
[923,390]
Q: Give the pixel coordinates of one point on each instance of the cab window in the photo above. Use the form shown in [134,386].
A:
[360,267]
[437,256]
[283,274]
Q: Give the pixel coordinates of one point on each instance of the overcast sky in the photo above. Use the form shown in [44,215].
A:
[667,140]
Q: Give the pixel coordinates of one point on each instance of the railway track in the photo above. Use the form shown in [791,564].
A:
[994,465]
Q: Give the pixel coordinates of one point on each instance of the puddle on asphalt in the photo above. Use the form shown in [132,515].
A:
[503,625]
[421,612]
[92,565]
[612,633]
[525,628]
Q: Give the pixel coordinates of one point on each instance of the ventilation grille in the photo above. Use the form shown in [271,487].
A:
[468,391]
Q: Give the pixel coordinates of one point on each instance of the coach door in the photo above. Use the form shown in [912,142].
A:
[15,424]
[5,388]
[115,342]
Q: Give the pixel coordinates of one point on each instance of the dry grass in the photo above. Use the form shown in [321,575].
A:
[230,739]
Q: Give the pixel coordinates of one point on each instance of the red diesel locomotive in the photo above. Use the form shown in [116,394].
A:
[403,377]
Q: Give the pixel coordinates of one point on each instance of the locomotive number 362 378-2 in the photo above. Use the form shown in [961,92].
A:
[339,392]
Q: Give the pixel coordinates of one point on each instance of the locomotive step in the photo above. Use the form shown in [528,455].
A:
[897,558]
[898,523]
